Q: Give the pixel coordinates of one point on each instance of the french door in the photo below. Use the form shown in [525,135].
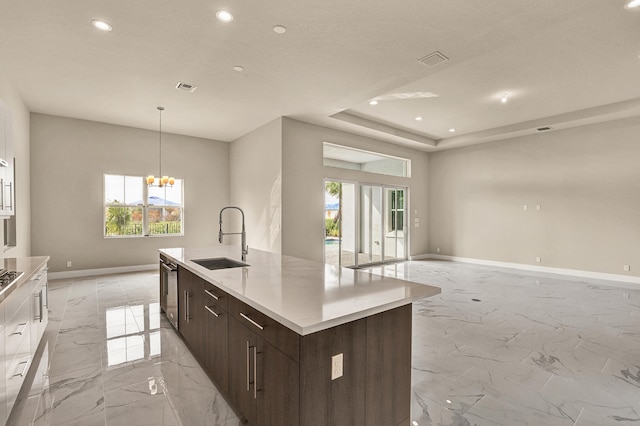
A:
[364,223]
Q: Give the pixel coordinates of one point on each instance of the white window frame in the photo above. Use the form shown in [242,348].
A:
[145,206]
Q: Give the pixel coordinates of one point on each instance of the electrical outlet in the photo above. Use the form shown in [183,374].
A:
[538,207]
[337,366]
[538,259]
[438,249]
[525,207]
[68,264]
[626,268]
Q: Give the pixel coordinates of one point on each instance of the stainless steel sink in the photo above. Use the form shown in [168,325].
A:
[219,263]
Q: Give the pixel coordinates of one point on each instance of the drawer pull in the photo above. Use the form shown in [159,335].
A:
[24,369]
[261,327]
[24,327]
[211,311]
[211,294]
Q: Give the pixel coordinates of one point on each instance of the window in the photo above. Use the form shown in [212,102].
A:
[395,203]
[345,157]
[132,209]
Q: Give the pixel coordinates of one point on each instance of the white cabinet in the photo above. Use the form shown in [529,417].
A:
[7,184]
[39,307]
[24,313]
[3,371]
[17,341]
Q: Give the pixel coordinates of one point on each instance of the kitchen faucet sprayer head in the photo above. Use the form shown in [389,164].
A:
[220,234]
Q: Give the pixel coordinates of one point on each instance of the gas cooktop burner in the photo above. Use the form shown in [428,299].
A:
[7,277]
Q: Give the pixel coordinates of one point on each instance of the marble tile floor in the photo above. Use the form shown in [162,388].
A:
[534,349]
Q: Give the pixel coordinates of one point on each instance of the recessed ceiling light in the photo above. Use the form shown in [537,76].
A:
[280,29]
[238,68]
[101,25]
[504,98]
[452,130]
[224,16]
[632,4]
[418,118]
[373,102]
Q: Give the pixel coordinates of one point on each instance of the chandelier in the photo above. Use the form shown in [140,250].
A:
[162,180]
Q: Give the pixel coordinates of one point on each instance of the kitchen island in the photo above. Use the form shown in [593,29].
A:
[294,342]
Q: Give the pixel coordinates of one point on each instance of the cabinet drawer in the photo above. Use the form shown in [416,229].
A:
[17,332]
[286,340]
[18,352]
[15,300]
[214,296]
[17,369]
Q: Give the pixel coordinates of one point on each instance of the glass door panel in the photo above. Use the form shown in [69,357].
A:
[371,244]
[395,224]
[340,220]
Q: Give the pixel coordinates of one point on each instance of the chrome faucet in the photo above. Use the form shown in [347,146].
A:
[245,247]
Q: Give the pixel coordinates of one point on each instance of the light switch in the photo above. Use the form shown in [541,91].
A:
[337,366]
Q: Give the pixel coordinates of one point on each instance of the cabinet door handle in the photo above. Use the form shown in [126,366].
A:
[211,311]
[248,380]
[211,294]
[2,197]
[24,369]
[10,195]
[255,372]
[261,327]
[41,305]
[186,306]
[24,327]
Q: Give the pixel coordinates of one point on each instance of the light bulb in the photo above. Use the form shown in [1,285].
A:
[224,16]
[101,25]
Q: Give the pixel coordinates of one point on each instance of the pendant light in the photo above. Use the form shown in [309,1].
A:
[162,180]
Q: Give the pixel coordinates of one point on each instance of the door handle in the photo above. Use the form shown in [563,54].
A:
[261,327]
[41,305]
[24,369]
[211,294]
[186,306]
[211,311]
[248,380]
[255,372]
[24,327]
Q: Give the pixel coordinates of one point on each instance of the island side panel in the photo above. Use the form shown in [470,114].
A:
[333,402]
[388,381]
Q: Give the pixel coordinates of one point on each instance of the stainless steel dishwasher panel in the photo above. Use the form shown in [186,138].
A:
[170,284]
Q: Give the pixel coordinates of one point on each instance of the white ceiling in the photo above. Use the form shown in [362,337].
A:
[563,63]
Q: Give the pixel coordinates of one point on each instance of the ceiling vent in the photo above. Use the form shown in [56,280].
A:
[543,129]
[186,87]
[433,59]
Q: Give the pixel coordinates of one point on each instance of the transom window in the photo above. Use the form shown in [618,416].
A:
[133,209]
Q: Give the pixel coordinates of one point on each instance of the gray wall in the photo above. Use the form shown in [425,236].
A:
[586,180]
[303,176]
[68,160]
[21,150]
[256,187]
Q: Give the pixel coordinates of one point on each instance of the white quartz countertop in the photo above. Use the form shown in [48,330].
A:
[304,296]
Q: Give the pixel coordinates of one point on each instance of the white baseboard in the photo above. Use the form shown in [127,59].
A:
[102,271]
[534,268]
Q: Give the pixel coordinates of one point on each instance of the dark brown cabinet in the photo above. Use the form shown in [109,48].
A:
[216,335]
[273,376]
[263,381]
[191,323]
